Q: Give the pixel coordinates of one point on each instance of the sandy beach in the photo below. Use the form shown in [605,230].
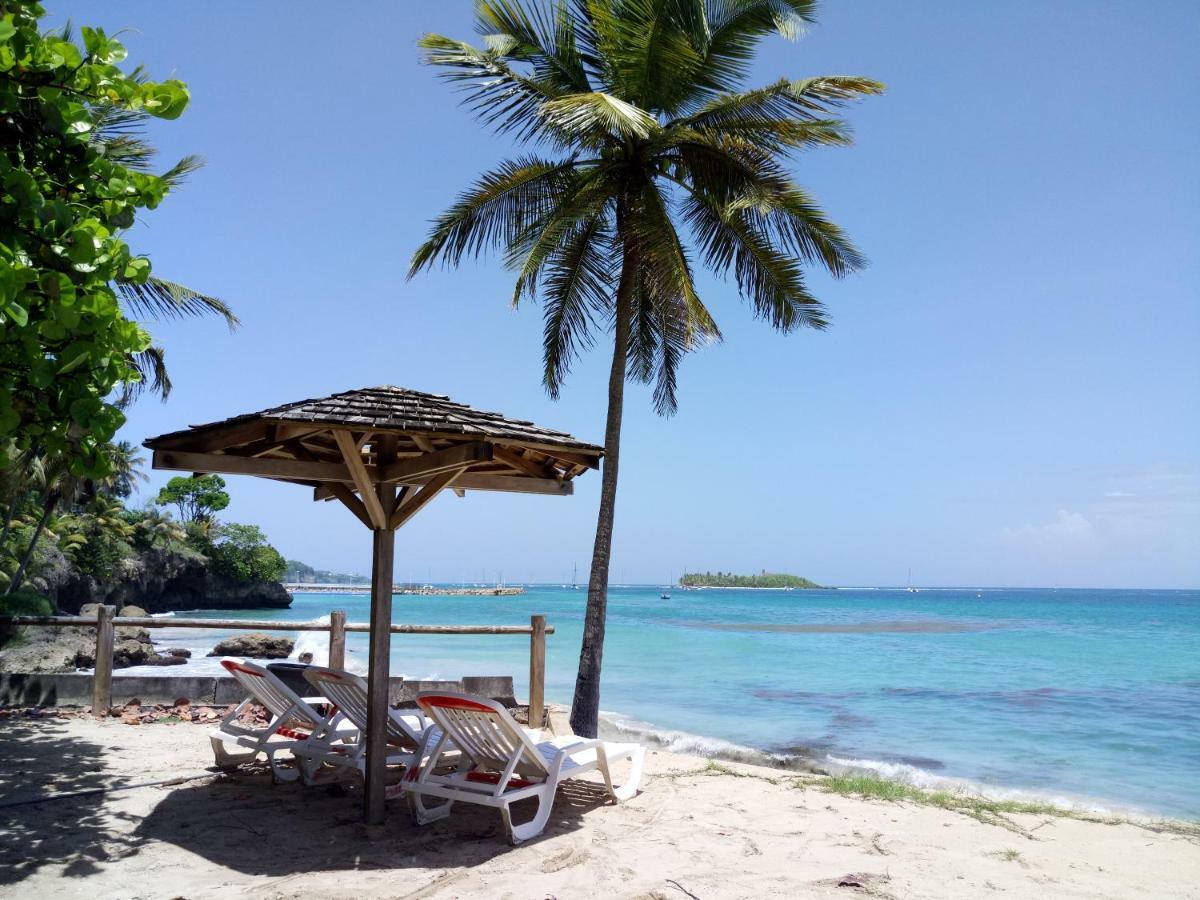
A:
[697,830]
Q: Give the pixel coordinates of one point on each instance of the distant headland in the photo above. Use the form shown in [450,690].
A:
[764,579]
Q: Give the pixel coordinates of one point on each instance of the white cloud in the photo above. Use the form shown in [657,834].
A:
[1066,527]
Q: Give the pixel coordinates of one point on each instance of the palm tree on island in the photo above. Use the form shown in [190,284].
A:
[656,157]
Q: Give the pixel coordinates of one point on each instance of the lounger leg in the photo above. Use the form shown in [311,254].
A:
[627,790]
[536,825]
[422,814]
[225,759]
[279,773]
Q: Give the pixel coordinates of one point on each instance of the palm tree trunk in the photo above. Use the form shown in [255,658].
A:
[47,510]
[585,707]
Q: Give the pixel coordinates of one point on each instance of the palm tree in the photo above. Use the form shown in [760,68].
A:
[126,462]
[656,158]
[160,529]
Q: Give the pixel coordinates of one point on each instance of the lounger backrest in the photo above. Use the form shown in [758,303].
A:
[483,730]
[348,692]
[268,690]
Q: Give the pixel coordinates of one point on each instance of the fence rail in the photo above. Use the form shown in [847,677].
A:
[106,622]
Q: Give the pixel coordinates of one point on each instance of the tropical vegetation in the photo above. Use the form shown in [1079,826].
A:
[95,532]
[728,579]
[648,159]
[76,171]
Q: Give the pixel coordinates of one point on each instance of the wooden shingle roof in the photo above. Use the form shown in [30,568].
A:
[355,444]
[390,408]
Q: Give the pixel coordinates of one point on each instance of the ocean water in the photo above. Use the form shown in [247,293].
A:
[1083,696]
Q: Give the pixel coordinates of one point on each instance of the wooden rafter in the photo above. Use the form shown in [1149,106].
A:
[415,502]
[523,464]
[362,479]
[351,502]
[438,461]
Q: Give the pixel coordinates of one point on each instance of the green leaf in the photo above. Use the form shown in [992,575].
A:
[7,29]
[167,100]
[17,313]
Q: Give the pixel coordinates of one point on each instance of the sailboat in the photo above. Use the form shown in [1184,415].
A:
[574,576]
[666,594]
[910,588]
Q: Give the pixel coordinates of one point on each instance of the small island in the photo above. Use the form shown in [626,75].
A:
[764,579]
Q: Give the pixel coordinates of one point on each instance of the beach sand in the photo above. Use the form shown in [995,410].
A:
[695,831]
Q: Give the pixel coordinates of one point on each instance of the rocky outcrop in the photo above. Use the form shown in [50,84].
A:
[156,581]
[38,649]
[255,645]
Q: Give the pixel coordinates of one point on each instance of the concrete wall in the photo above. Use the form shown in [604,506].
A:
[75,689]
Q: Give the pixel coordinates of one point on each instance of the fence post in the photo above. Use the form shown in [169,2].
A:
[102,676]
[337,639]
[537,671]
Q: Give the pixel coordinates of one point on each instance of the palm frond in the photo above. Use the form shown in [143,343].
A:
[541,36]
[503,98]
[587,197]
[577,287]
[495,211]
[151,366]
[808,101]
[158,298]
[179,172]
[735,28]
[591,120]
[771,280]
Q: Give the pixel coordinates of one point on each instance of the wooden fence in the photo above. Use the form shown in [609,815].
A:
[106,622]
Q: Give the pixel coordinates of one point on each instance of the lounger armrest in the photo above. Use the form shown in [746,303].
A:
[579,747]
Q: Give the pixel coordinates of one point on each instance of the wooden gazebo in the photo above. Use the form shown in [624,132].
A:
[384,453]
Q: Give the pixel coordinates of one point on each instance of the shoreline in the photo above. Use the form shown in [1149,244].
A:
[620,726]
[157,817]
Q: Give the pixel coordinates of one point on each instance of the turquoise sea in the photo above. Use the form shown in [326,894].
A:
[1090,696]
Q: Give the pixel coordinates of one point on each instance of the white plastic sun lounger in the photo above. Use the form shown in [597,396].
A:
[324,759]
[500,763]
[294,723]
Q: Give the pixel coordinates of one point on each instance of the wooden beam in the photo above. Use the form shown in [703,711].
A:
[414,503]
[511,458]
[242,465]
[423,442]
[362,479]
[579,459]
[351,502]
[435,462]
[204,440]
[515,484]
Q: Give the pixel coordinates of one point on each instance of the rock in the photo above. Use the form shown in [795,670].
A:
[256,646]
[166,661]
[155,581]
[90,610]
[39,649]
[178,651]
[131,610]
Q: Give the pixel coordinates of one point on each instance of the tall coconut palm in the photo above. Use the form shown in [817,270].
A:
[652,158]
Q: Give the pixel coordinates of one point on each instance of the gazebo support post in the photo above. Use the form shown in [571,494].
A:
[382,566]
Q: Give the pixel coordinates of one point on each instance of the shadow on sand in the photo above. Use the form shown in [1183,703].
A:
[241,821]
[39,761]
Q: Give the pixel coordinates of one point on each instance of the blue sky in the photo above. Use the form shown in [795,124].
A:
[1008,395]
